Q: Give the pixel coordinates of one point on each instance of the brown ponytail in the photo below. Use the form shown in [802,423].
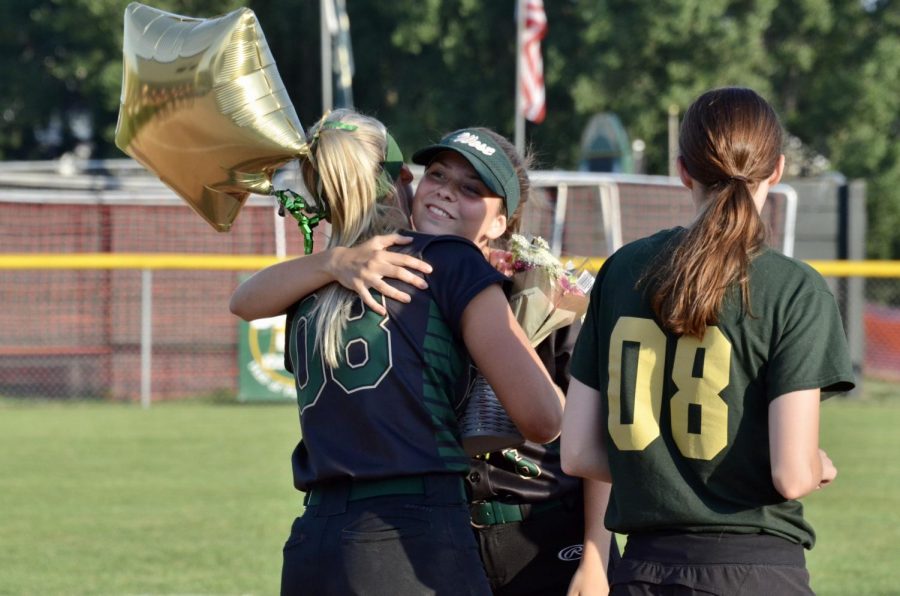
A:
[730,141]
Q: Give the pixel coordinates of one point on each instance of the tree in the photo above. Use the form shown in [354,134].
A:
[62,63]
[639,57]
[424,67]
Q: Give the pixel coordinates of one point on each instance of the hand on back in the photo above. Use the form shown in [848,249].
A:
[366,266]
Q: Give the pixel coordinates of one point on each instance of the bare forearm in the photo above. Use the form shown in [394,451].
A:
[582,447]
[798,465]
[271,291]
[596,499]
[361,268]
[509,363]
[585,464]
[590,578]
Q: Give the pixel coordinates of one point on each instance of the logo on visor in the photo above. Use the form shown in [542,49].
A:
[467,138]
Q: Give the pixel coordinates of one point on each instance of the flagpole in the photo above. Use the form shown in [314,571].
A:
[325,35]
[520,116]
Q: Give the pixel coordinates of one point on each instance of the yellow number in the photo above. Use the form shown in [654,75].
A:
[701,370]
[646,379]
[702,391]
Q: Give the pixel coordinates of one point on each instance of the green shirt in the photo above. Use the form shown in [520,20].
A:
[687,419]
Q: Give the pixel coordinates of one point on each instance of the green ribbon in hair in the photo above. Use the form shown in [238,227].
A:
[308,216]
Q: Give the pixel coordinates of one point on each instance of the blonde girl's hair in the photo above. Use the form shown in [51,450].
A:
[344,170]
[730,141]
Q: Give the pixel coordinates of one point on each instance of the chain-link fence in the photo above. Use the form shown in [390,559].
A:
[112,287]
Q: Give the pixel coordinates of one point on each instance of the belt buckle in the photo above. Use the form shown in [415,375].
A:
[485,511]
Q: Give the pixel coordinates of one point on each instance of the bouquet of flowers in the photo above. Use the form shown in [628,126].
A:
[545,295]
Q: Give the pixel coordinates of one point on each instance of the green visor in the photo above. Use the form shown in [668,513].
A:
[489,159]
[393,158]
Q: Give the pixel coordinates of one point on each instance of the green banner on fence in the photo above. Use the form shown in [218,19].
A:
[261,362]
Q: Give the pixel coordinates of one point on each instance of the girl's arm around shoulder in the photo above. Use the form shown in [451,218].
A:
[582,446]
[798,465]
[504,356]
[273,290]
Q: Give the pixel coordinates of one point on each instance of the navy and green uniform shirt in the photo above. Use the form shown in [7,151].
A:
[687,420]
[390,408]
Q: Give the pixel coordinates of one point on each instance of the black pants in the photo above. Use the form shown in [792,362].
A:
[681,564]
[402,545]
[537,556]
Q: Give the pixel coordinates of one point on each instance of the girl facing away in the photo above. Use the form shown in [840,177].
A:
[379,379]
[698,374]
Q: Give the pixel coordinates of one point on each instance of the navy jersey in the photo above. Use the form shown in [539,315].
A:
[390,408]
[687,419]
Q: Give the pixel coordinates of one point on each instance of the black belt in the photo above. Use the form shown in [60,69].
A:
[714,548]
[355,490]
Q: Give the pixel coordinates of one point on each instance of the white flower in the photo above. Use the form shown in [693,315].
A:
[534,254]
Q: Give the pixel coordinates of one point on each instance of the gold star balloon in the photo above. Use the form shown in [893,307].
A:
[203,107]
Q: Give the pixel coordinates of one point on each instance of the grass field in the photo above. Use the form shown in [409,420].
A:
[196,498]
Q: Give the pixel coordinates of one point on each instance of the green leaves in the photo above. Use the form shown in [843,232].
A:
[424,67]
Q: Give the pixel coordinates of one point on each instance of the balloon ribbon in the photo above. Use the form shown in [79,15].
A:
[297,207]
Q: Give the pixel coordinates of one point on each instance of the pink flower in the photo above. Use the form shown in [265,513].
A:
[545,295]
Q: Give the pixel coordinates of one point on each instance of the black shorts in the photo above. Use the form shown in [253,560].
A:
[681,564]
[362,540]
[537,555]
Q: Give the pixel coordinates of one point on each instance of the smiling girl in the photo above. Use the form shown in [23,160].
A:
[527,527]
[379,380]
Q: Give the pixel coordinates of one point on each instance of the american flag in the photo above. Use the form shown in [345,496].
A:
[532,78]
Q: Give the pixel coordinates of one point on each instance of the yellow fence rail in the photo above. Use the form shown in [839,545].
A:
[187,261]
[135,261]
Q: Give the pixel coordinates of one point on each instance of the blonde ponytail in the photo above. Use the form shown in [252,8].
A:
[344,170]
